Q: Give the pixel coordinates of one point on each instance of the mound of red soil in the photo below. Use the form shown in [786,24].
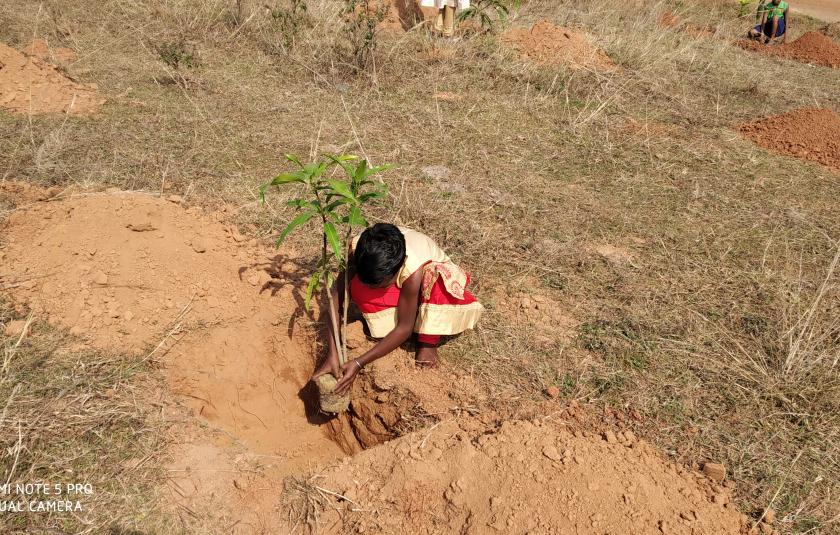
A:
[668,20]
[28,84]
[811,47]
[523,477]
[808,133]
[546,43]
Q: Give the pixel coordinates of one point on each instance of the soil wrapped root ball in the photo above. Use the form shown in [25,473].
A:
[330,402]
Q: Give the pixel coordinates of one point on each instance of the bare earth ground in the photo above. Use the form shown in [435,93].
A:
[662,293]
[827,10]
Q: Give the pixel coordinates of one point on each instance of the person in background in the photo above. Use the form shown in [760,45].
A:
[445,20]
[404,285]
[772,17]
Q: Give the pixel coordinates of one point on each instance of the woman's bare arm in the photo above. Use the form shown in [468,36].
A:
[406,316]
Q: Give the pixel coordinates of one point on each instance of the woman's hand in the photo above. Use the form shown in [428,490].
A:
[349,372]
[330,365]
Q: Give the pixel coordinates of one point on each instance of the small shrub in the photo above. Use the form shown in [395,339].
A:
[489,13]
[176,55]
[362,18]
[290,17]
[338,207]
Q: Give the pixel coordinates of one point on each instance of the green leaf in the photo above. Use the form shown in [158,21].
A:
[299,220]
[379,169]
[339,159]
[314,282]
[333,239]
[294,159]
[361,172]
[286,178]
[355,218]
[263,188]
[335,204]
[341,188]
[302,203]
[365,197]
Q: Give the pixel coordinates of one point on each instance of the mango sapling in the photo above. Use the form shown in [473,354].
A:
[338,206]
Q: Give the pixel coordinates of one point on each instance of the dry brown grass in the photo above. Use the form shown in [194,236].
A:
[71,415]
[713,333]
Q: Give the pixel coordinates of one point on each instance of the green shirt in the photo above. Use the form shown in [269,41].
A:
[774,10]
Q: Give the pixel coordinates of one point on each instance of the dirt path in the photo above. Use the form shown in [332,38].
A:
[827,10]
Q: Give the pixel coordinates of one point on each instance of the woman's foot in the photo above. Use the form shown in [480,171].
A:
[426,356]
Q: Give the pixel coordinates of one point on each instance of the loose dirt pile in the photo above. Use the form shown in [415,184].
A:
[808,133]
[28,84]
[811,47]
[548,44]
[524,477]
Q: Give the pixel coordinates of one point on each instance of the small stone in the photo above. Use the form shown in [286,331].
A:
[128,315]
[199,245]
[769,516]
[525,303]
[715,471]
[610,437]
[496,502]
[435,454]
[552,391]
[100,278]
[177,199]
[15,328]
[552,453]
[141,225]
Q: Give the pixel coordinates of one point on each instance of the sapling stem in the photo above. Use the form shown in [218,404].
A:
[346,292]
[337,336]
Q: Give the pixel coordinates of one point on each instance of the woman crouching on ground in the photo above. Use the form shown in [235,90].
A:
[404,284]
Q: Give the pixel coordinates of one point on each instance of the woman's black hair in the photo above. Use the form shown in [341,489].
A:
[379,254]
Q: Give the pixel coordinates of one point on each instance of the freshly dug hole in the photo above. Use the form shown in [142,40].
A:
[378,413]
